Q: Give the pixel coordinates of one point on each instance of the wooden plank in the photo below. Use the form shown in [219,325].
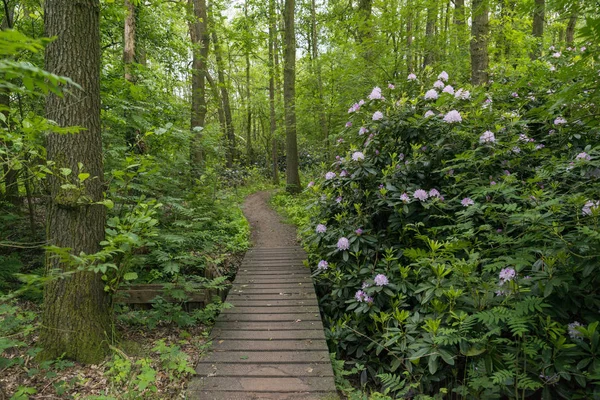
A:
[302,272]
[270,296]
[269,345]
[313,308]
[218,334]
[269,326]
[248,278]
[270,384]
[248,357]
[270,317]
[267,285]
[235,369]
[208,395]
[272,303]
[294,290]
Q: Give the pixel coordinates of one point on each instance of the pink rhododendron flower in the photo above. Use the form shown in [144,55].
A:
[362,130]
[358,156]
[431,94]
[390,86]
[462,94]
[466,202]
[421,195]
[343,244]
[452,117]
[443,76]
[404,197]
[583,156]
[377,115]
[381,280]
[330,175]
[321,228]
[448,89]
[323,265]
[376,94]
[429,114]
[487,137]
[507,274]
[439,85]
[411,77]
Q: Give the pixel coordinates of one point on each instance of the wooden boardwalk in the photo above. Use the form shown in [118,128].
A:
[270,345]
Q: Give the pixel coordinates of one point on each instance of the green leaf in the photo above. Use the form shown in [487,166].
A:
[130,276]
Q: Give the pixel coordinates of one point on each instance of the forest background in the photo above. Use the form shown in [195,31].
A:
[195,99]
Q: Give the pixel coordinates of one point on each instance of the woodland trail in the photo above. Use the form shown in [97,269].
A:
[271,344]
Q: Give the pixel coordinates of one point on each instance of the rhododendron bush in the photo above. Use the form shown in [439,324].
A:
[455,240]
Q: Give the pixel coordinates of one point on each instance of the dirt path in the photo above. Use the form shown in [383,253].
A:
[268,229]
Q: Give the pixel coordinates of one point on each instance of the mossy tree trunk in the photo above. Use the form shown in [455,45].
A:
[76,319]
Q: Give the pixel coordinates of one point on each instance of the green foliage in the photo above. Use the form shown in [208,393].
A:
[467,261]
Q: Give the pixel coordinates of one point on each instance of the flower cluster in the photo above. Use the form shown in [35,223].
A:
[323,265]
[343,244]
[321,228]
[487,137]
[376,94]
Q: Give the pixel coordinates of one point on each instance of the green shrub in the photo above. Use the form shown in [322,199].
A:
[456,242]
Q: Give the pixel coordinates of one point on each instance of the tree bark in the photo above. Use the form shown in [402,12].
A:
[200,38]
[409,37]
[570,35]
[129,40]
[289,96]
[230,133]
[75,316]
[365,31]
[430,46]
[11,183]
[316,64]
[272,114]
[479,42]
[539,13]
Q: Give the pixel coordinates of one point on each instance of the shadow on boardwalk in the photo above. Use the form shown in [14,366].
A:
[270,345]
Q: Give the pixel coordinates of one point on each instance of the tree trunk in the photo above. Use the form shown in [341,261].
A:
[129,40]
[200,41]
[11,184]
[365,31]
[409,37]
[539,13]
[75,317]
[316,64]
[479,42]
[230,157]
[430,46]
[570,35]
[289,96]
[272,115]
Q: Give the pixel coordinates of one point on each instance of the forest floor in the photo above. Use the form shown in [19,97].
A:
[62,379]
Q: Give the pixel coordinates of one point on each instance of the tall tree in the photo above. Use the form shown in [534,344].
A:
[75,320]
[479,42]
[574,14]
[539,14]
[409,36]
[430,45]
[9,175]
[129,40]
[229,128]
[316,65]
[289,96]
[272,114]
[200,38]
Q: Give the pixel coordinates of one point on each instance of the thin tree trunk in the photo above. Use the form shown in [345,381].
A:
[11,183]
[570,35]
[430,46]
[289,95]
[272,115]
[539,14]
[225,99]
[409,36]
[75,316]
[200,40]
[365,30]
[249,152]
[129,40]
[479,42]
[316,64]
